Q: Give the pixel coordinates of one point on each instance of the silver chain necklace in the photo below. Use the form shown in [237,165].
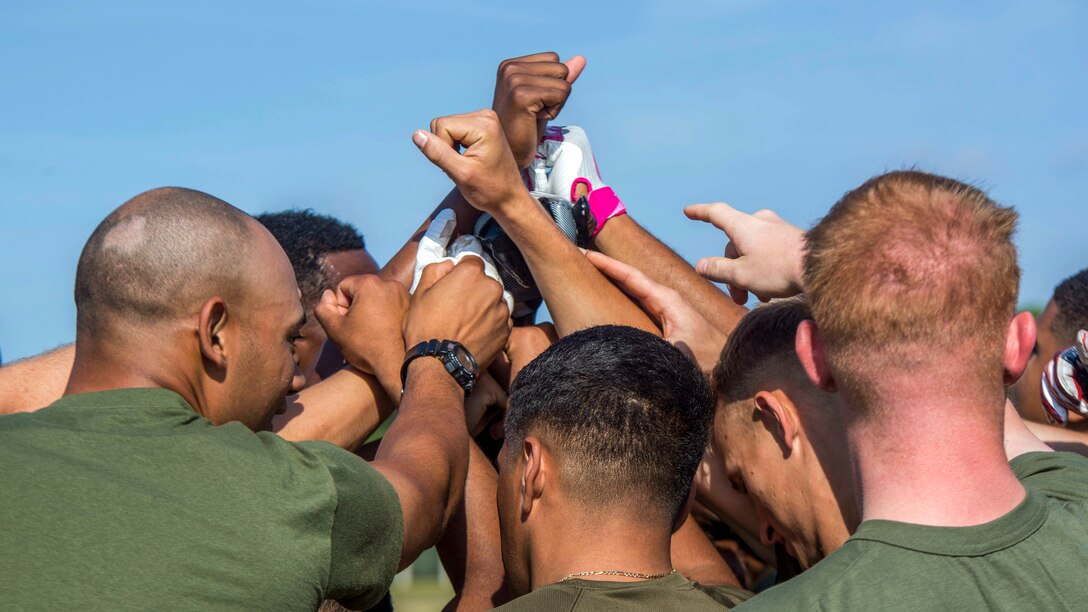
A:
[616,573]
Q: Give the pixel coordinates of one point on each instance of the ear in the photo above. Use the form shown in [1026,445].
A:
[682,515]
[1019,342]
[212,321]
[810,350]
[779,418]
[533,474]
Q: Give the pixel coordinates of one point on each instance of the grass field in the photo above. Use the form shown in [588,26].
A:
[426,595]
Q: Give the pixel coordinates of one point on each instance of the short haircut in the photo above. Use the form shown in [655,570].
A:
[159,255]
[761,344]
[626,413]
[909,264]
[1071,299]
[307,237]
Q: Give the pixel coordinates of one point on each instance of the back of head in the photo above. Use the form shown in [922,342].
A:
[158,256]
[908,268]
[307,237]
[626,414]
[760,349]
[1071,300]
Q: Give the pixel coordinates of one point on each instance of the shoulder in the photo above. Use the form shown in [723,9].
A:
[1057,475]
[824,586]
[725,595]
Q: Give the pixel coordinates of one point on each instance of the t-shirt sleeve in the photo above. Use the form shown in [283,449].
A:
[1056,475]
[728,596]
[367,531]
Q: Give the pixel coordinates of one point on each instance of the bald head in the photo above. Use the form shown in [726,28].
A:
[159,256]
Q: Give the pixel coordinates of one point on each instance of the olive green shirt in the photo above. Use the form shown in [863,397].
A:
[673,592]
[130,500]
[1033,558]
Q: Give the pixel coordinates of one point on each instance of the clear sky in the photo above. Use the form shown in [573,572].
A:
[762,104]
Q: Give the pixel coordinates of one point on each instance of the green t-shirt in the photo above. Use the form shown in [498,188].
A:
[673,592]
[1033,558]
[129,499]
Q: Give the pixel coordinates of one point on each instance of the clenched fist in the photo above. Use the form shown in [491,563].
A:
[485,172]
[460,303]
[529,92]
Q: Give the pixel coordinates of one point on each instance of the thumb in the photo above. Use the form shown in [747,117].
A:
[631,280]
[438,151]
[329,315]
[575,66]
[718,269]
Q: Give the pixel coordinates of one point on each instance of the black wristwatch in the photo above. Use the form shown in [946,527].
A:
[454,356]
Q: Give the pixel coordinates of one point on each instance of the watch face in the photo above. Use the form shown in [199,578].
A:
[463,356]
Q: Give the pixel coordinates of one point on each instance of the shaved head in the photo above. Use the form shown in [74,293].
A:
[158,256]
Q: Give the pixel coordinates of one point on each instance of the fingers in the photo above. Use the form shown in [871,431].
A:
[632,281]
[718,269]
[328,313]
[432,274]
[720,215]
[575,66]
[440,153]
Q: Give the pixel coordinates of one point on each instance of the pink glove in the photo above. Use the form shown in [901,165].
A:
[1065,380]
[565,160]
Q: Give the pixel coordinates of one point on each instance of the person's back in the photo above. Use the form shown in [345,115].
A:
[214,517]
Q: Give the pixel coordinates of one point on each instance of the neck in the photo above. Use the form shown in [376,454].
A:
[600,542]
[936,460]
[97,368]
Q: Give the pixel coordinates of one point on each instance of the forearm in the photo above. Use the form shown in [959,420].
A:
[624,239]
[575,292]
[343,409]
[468,548]
[694,556]
[402,266]
[35,382]
[424,454]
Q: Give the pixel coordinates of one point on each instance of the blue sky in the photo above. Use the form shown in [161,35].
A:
[758,103]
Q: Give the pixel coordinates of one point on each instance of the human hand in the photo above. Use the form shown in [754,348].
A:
[530,91]
[364,317]
[764,254]
[486,397]
[435,247]
[460,303]
[681,324]
[485,173]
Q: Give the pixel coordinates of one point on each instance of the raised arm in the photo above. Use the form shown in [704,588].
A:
[424,454]
[470,547]
[486,174]
[625,240]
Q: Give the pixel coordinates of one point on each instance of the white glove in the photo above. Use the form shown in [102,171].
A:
[565,160]
[433,249]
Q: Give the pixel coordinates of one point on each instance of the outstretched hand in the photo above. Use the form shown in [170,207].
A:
[681,324]
[485,172]
[529,92]
[764,254]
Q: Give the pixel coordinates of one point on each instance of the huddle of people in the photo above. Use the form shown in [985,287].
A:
[876,431]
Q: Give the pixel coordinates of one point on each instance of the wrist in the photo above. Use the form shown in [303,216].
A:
[432,373]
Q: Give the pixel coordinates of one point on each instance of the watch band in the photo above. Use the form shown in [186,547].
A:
[446,351]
